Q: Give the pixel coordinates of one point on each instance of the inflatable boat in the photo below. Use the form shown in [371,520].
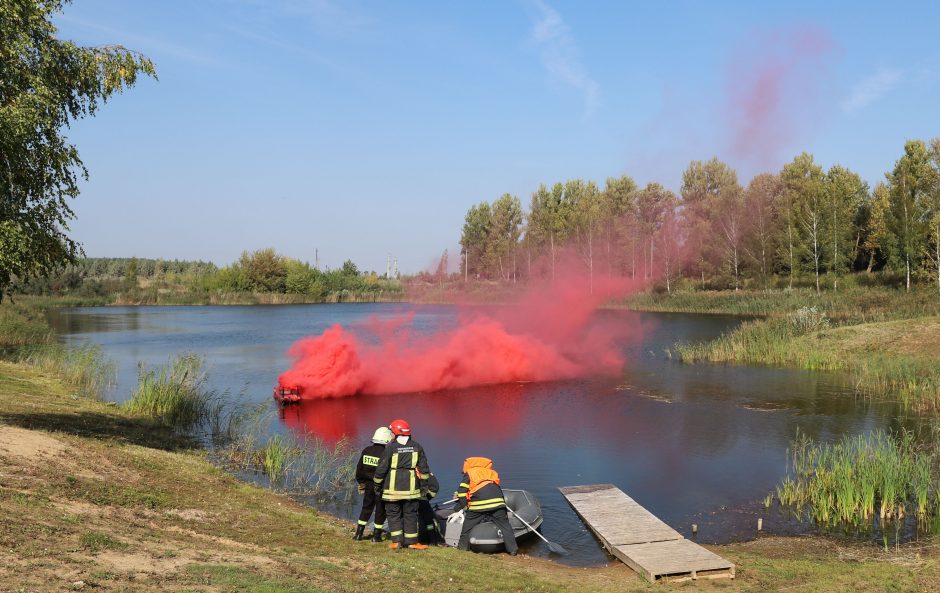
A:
[485,537]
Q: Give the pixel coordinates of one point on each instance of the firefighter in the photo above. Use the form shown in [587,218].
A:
[365,471]
[427,527]
[401,479]
[480,494]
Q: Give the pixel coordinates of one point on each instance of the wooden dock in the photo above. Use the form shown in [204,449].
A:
[640,539]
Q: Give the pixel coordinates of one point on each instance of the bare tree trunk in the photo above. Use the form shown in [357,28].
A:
[907,261]
[633,259]
[937,253]
[591,261]
[790,241]
[551,238]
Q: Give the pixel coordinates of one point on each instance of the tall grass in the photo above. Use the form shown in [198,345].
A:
[83,368]
[878,480]
[175,394]
[23,325]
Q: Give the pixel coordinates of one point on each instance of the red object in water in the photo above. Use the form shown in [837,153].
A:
[286,395]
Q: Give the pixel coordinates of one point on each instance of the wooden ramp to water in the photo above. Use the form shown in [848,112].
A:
[640,539]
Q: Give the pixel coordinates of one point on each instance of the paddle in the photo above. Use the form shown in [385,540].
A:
[552,547]
[438,505]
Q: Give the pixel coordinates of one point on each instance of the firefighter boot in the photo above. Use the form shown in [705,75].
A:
[377,535]
[358,535]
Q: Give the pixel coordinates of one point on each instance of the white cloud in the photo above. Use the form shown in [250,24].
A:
[559,54]
[871,88]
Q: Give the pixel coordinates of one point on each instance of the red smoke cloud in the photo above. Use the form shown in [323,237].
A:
[773,84]
[548,335]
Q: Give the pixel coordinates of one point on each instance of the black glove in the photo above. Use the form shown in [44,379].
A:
[425,493]
[378,489]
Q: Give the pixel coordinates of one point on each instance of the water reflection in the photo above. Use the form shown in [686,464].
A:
[698,443]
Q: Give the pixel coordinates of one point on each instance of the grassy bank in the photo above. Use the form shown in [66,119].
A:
[93,496]
[891,359]
[856,304]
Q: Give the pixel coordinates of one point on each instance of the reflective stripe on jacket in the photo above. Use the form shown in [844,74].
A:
[402,471]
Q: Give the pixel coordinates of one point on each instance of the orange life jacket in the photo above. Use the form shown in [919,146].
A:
[480,471]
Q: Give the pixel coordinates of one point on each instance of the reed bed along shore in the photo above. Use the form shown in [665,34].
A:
[881,482]
[858,304]
[897,360]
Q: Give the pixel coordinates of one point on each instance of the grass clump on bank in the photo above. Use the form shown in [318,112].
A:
[175,394]
[879,481]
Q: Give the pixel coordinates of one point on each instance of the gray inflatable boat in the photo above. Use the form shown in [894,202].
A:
[485,537]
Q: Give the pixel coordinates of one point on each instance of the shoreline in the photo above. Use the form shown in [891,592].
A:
[117,501]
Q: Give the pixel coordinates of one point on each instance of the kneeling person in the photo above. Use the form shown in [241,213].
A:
[480,494]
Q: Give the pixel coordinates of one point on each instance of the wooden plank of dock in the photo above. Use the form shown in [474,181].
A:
[640,539]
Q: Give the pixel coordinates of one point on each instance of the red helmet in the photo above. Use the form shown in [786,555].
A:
[400,427]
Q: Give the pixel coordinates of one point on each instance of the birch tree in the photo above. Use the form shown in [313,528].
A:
[910,184]
[803,180]
[845,192]
[762,203]
[46,84]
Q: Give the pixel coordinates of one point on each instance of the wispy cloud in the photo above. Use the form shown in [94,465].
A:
[558,51]
[326,17]
[871,88]
[154,47]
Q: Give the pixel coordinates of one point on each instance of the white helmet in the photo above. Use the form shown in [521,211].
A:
[382,435]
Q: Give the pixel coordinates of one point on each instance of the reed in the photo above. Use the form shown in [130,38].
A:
[83,368]
[846,482]
[175,394]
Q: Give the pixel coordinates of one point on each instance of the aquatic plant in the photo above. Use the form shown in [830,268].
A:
[276,457]
[175,394]
[864,481]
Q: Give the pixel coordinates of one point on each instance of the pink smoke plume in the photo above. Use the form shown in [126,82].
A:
[549,334]
[773,83]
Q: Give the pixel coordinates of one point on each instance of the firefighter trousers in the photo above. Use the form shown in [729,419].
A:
[499,517]
[371,500]
[428,530]
[402,520]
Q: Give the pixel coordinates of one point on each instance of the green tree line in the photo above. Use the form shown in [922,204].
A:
[263,271]
[802,224]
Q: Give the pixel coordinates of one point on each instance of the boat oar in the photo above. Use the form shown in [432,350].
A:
[438,505]
[552,547]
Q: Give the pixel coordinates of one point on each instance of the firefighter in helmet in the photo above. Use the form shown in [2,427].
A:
[365,471]
[401,479]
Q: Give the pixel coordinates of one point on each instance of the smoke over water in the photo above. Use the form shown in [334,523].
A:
[551,333]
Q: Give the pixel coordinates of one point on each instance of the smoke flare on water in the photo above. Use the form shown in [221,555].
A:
[550,334]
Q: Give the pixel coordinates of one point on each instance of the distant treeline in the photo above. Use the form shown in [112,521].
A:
[800,225]
[262,272]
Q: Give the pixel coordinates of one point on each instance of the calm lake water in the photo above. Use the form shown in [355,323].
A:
[692,443]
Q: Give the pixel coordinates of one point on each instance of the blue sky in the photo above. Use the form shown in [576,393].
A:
[364,130]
